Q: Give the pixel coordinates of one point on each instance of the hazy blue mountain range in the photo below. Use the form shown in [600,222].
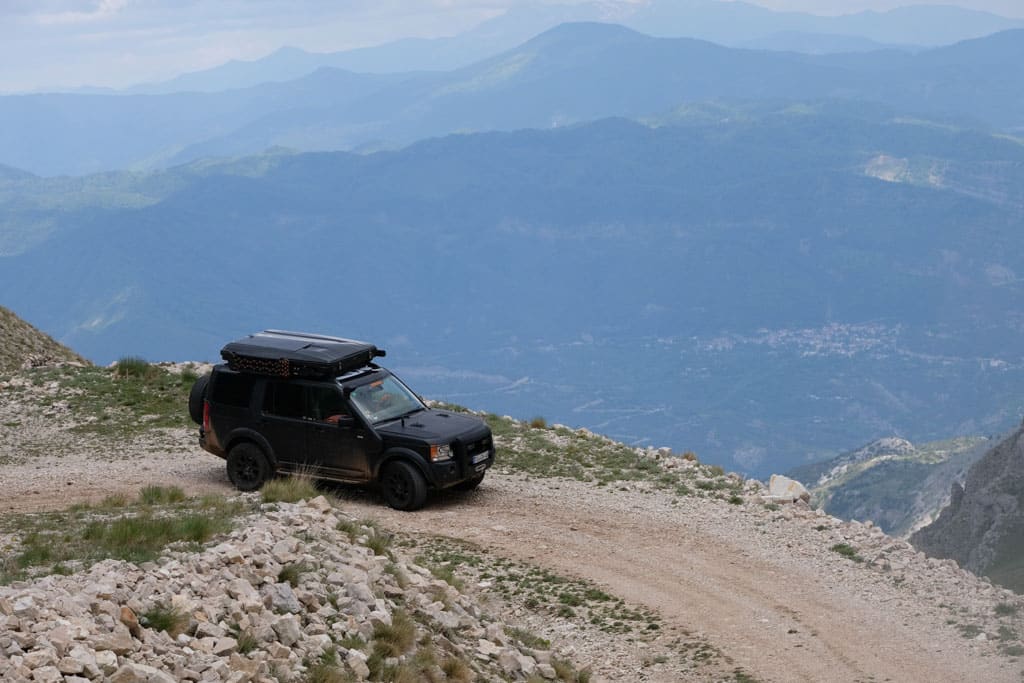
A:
[763,285]
[819,43]
[898,485]
[736,24]
[571,74]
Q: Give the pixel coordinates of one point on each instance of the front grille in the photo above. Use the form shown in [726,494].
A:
[479,446]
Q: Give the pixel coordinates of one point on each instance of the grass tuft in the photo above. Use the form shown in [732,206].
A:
[291,573]
[1006,609]
[159,495]
[165,618]
[133,366]
[247,642]
[289,489]
[396,639]
[456,670]
[847,551]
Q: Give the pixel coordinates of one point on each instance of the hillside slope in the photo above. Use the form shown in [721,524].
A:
[891,482]
[794,279]
[685,571]
[983,526]
[21,343]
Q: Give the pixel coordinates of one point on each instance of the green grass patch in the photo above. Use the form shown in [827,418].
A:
[536,449]
[130,398]
[847,551]
[247,641]
[135,531]
[1006,609]
[157,495]
[134,367]
[292,572]
[326,669]
[527,638]
[165,618]
[969,630]
[290,489]
[396,639]
[1014,650]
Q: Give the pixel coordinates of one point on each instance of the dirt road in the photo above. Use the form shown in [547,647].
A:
[782,614]
[769,595]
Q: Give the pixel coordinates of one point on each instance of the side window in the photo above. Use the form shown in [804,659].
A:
[284,399]
[325,402]
[231,388]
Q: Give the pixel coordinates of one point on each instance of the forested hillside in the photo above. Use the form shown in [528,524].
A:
[723,283]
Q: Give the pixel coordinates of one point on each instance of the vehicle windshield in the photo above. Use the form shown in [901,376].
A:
[385,399]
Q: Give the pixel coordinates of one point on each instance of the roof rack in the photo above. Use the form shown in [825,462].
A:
[298,354]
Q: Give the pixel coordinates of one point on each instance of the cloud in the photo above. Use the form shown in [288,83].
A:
[94,12]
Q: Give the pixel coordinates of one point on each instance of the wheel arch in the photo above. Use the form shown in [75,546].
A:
[251,436]
[406,455]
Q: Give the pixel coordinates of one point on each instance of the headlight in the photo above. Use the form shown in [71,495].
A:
[439,453]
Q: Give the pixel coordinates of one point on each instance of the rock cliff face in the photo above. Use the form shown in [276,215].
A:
[983,526]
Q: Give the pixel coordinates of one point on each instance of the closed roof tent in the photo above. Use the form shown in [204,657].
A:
[276,352]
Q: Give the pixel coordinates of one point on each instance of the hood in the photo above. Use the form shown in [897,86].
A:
[435,426]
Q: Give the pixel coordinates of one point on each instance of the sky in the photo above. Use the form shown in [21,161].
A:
[49,44]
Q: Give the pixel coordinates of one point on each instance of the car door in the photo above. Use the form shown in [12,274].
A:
[284,423]
[339,443]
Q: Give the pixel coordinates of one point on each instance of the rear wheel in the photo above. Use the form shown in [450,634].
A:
[470,484]
[196,397]
[403,486]
[248,467]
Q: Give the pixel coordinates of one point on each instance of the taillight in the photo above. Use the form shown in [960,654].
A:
[206,416]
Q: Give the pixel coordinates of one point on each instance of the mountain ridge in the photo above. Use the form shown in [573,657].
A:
[689,214]
[715,21]
[571,74]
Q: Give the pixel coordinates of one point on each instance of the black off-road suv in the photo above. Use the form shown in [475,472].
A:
[296,402]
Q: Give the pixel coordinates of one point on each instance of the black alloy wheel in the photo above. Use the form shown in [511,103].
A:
[403,486]
[247,467]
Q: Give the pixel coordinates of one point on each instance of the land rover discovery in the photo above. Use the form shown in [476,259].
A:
[294,402]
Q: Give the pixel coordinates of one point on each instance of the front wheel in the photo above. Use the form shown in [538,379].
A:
[248,467]
[404,487]
[470,484]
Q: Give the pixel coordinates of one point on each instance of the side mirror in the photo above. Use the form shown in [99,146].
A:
[346,421]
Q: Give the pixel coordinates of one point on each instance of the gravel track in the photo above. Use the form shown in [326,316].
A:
[763,589]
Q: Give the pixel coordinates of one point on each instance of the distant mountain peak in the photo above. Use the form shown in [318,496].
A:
[589,31]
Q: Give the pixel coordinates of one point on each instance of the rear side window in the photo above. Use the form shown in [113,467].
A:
[284,399]
[231,388]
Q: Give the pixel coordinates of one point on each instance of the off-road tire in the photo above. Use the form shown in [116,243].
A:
[470,484]
[403,486]
[248,467]
[196,397]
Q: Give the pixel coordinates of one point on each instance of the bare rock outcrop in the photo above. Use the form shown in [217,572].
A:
[983,526]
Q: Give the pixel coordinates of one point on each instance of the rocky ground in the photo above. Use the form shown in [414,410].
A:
[655,568]
[291,595]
